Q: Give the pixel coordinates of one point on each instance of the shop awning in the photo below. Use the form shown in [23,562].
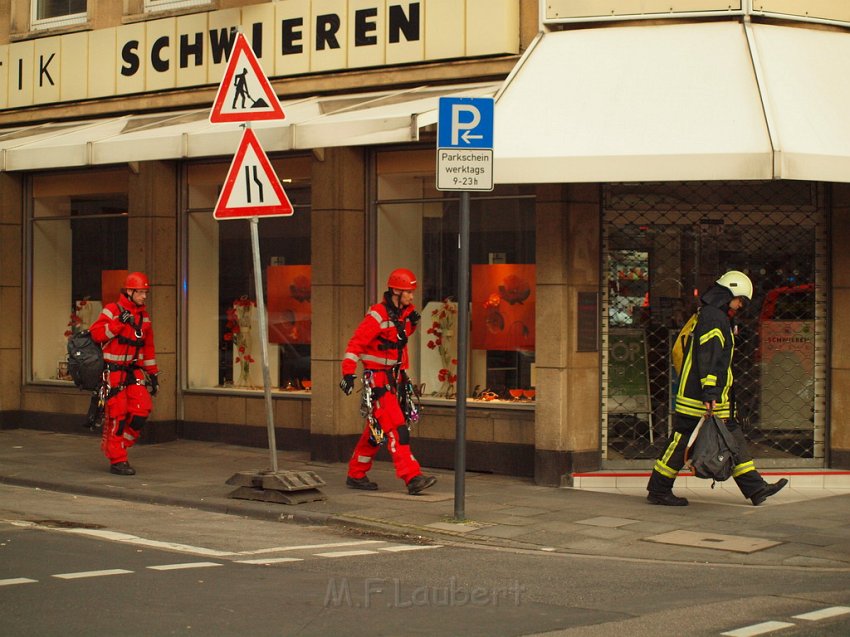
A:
[804,75]
[634,103]
[316,122]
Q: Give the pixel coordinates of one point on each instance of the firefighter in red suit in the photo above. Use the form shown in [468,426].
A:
[125,333]
[380,344]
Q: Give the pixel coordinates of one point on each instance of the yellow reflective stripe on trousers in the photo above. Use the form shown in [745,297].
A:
[744,467]
[661,464]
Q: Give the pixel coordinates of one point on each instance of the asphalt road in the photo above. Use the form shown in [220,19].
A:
[72,565]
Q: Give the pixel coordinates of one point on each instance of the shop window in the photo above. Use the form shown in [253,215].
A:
[417,228]
[664,244]
[57,13]
[79,258]
[224,345]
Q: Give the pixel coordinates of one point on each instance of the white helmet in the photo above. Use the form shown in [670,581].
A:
[737,283]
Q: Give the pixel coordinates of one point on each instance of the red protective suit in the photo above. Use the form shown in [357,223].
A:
[380,346]
[127,350]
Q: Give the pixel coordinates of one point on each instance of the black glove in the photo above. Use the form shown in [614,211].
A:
[126,317]
[153,379]
[414,317]
[347,384]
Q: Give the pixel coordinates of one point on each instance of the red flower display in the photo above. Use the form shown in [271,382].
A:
[239,316]
[442,327]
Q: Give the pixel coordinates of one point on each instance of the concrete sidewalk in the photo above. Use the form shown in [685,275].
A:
[806,525]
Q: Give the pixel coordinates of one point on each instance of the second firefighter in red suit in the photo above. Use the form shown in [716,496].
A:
[125,332]
[380,344]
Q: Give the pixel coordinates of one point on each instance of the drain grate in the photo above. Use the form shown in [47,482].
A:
[65,524]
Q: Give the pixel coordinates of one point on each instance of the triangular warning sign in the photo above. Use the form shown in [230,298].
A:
[245,94]
[251,189]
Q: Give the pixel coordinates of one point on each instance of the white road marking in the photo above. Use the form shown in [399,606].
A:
[824,613]
[270,560]
[408,547]
[177,567]
[17,580]
[345,553]
[302,547]
[757,629]
[83,574]
[126,538]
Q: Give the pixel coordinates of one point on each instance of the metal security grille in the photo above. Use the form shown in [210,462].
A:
[665,244]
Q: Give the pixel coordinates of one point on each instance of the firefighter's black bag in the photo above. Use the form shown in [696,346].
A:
[85,361]
[714,453]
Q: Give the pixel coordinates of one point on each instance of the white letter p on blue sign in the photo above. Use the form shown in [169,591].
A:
[465,122]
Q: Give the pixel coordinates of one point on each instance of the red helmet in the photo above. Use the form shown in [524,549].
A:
[402,279]
[136,281]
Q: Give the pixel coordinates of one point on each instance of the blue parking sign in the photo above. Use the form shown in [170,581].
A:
[465,122]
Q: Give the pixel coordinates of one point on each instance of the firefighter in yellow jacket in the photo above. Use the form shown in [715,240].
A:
[705,386]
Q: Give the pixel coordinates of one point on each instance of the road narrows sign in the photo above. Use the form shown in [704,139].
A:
[245,94]
[252,188]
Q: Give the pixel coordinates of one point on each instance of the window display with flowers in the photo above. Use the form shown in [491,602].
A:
[237,330]
[441,338]
[220,270]
[417,227]
[77,323]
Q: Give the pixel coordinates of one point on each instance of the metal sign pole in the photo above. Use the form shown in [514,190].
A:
[250,177]
[264,339]
[462,340]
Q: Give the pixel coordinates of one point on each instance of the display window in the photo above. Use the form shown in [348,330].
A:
[54,13]
[223,339]
[78,234]
[417,228]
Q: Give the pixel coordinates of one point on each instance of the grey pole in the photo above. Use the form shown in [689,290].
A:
[462,340]
[264,339]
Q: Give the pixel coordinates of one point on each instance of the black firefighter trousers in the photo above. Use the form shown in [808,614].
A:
[667,466]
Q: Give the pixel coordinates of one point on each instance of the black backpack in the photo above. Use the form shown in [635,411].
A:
[85,361]
[712,450]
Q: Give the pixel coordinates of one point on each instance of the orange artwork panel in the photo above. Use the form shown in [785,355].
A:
[289,304]
[503,303]
[111,282]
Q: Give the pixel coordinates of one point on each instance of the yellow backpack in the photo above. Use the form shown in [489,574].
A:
[680,346]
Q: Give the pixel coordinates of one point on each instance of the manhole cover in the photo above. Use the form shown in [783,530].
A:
[734,543]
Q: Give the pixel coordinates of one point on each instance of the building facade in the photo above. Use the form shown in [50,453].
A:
[637,157]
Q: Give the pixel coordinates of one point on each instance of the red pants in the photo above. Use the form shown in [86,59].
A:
[118,437]
[126,413]
[388,414]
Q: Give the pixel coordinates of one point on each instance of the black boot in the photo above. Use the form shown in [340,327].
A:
[419,483]
[122,469]
[666,499]
[363,483]
[767,490]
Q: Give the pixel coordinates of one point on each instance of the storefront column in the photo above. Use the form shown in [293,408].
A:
[839,427]
[152,249]
[11,305]
[339,289]
[567,414]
